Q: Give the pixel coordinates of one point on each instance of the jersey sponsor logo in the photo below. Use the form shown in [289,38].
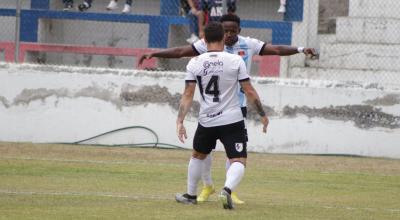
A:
[213,67]
[214,115]
[208,64]
[239,147]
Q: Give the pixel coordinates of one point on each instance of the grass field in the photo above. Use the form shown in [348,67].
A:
[82,182]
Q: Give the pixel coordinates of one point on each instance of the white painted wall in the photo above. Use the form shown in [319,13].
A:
[65,104]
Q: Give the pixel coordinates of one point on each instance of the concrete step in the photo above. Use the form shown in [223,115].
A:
[360,56]
[374,8]
[368,30]
[388,78]
[326,38]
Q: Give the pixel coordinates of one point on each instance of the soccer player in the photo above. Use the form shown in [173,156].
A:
[218,75]
[246,47]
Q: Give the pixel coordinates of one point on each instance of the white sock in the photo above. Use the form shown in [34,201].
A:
[206,171]
[234,175]
[227,164]
[194,175]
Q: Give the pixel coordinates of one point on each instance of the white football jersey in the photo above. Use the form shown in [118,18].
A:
[245,47]
[217,75]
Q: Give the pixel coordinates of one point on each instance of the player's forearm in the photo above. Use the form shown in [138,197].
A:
[175,52]
[184,108]
[254,99]
[280,50]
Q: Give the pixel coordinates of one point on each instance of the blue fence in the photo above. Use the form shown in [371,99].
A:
[159,25]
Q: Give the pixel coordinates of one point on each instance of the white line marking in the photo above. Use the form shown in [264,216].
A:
[99,194]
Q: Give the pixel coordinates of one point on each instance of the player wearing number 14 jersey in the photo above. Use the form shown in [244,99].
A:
[217,75]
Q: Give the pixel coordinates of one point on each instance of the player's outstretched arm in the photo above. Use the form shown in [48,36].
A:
[283,50]
[175,52]
[184,106]
[254,99]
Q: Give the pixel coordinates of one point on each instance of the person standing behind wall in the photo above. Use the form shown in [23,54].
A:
[190,9]
[113,5]
[282,7]
[211,10]
[84,6]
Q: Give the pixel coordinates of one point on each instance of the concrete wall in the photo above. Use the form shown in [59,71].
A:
[66,104]
[363,49]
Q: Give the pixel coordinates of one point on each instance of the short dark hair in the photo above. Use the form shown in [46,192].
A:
[230,17]
[214,32]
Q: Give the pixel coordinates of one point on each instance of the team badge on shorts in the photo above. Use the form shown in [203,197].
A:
[239,147]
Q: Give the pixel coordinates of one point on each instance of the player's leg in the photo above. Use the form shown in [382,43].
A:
[234,140]
[203,142]
[193,177]
[235,197]
[208,186]
[234,175]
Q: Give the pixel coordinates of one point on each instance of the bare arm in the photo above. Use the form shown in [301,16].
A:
[175,52]
[192,6]
[283,50]
[184,106]
[253,98]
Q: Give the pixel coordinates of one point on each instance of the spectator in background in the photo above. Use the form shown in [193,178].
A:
[69,4]
[211,10]
[196,19]
[282,7]
[114,5]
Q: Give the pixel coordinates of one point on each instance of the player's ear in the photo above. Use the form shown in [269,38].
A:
[239,30]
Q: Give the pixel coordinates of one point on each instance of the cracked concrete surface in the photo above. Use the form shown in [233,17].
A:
[154,94]
[4,101]
[363,116]
[388,100]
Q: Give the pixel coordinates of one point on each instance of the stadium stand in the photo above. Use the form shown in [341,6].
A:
[159,30]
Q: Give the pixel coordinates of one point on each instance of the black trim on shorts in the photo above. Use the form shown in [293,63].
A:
[262,48]
[190,81]
[195,50]
[244,111]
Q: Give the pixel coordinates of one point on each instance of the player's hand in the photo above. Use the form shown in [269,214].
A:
[311,52]
[144,57]
[265,122]
[181,131]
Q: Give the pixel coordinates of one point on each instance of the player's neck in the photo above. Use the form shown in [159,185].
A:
[215,46]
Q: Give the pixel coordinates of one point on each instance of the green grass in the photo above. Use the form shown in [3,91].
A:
[81,182]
